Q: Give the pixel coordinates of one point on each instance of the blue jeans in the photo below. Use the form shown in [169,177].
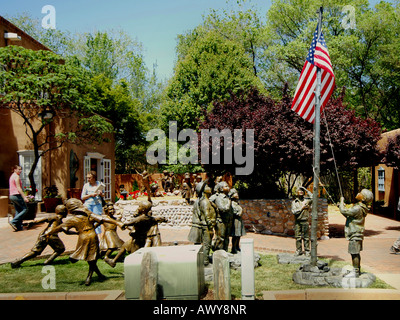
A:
[97,209]
[20,210]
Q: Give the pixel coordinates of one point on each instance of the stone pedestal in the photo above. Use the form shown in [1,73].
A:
[289,258]
[322,275]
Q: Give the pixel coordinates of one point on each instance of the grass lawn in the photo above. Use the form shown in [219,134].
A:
[270,276]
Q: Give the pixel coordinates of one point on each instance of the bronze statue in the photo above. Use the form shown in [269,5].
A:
[110,240]
[165,180]
[237,224]
[144,232]
[203,220]
[301,207]
[354,228]
[187,188]
[42,242]
[224,216]
[209,211]
[171,182]
[87,247]
[197,179]
[142,224]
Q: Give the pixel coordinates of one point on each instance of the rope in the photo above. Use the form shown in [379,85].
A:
[334,159]
[323,186]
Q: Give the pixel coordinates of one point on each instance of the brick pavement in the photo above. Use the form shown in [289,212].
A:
[380,235]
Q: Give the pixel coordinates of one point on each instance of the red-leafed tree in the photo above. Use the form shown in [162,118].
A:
[283,146]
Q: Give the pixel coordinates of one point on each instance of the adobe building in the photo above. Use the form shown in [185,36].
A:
[386,182]
[65,167]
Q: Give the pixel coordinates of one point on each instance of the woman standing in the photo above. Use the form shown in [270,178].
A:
[17,198]
[92,193]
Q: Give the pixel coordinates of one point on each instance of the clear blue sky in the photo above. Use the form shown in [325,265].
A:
[155,23]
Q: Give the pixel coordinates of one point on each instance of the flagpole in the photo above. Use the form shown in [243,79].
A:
[317,156]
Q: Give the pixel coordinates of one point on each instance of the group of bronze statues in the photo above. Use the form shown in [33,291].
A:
[143,232]
[354,226]
[187,185]
[216,217]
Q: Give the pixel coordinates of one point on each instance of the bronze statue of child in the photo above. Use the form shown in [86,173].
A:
[301,207]
[53,220]
[354,228]
[142,223]
[87,247]
[110,240]
[238,229]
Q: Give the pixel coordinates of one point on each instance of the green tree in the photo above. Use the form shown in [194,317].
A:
[37,81]
[128,93]
[364,55]
[60,42]
[212,68]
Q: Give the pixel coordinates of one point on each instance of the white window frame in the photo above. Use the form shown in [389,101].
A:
[107,178]
[381,179]
[25,158]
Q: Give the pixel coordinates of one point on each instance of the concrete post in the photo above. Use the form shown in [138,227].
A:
[248,283]
[222,275]
[148,276]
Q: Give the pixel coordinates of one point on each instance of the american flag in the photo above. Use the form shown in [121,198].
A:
[304,98]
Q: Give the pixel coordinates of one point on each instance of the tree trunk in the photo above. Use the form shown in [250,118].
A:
[34,164]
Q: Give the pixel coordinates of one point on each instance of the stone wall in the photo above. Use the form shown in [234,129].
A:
[178,213]
[275,217]
[259,216]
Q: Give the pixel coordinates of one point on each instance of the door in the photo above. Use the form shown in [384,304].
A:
[103,172]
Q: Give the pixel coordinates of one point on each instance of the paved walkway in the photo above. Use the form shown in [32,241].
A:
[379,236]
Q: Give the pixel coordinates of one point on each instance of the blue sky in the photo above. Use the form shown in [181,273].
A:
[154,23]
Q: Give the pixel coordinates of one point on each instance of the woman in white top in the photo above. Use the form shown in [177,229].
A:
[92,193]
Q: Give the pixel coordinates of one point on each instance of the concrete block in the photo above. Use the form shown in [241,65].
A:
[180,272]
[248,278]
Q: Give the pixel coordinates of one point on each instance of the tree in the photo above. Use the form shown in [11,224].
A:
[283,144]
[60,42]
[34,82]
[211,68]
[363,55]
[126,91]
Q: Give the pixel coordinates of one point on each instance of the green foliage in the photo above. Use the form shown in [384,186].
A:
[70,277]
[34,81]
[212,68]
[51,192]
[37,80]
[124,92]
[364,58]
